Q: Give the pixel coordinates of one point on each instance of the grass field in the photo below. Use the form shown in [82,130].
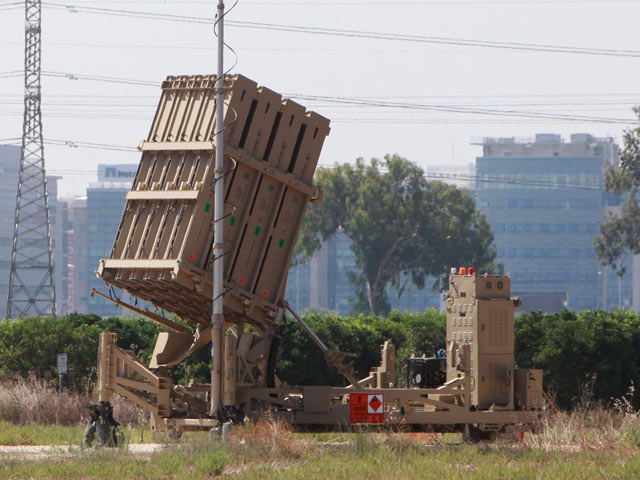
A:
[364,457]
[591,442]
[272,450]
[63,435]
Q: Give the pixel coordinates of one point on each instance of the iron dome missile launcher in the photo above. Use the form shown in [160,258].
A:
[162,255]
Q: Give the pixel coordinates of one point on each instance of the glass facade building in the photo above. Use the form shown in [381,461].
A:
[544,199]
[92,223]
[325,282]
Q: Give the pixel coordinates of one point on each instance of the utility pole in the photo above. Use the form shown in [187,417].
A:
[217,316]
[31,285]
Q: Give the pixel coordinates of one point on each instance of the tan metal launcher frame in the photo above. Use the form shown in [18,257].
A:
[162,255]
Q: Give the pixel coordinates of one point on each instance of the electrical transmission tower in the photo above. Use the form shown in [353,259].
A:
[31,287]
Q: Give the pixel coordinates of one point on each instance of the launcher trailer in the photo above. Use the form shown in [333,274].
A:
[162,255]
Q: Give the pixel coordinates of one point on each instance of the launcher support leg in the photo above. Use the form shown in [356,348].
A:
[230,371]
[104,366]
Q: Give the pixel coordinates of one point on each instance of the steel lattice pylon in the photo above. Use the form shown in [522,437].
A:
[31,286]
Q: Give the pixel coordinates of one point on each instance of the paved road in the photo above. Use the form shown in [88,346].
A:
[37,452]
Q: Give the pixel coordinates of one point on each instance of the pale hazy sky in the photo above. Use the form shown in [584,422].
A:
[441,75]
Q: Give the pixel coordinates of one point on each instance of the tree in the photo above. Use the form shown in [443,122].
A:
[620,233]
[581,350]
[403,228]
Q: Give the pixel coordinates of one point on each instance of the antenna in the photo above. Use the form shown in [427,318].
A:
[31,287]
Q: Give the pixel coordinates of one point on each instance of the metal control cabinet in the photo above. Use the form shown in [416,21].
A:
[529,393]
[480,337]
[163,249]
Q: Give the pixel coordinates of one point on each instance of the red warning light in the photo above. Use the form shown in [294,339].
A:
[472,270]
[241,281]
[463,271]
[265,293]
[192,257]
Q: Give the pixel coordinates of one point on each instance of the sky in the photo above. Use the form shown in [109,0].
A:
[493,92]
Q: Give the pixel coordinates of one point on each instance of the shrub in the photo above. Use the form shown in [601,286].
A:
[31,401]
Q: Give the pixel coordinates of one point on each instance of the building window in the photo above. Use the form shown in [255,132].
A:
[574,252]
[498,227]
[511,252]
[512,203]
[573,228]
[527,203]
[528,251]
[592,228]
[543,227]
[512,227]
[561,227]
[528,227]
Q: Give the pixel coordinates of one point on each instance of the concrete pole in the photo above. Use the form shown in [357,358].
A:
[217,316]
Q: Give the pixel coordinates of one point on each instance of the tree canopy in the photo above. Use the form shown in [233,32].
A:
[403,228]
[620,232]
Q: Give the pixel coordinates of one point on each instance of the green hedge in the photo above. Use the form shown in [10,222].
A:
[302,363]
[30,345]
[573,347]
[570,347]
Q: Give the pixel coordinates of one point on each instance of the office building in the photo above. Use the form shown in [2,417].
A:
[544,199]
[325,283]
[92,223]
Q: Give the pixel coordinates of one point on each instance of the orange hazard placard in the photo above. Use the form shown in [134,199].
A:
[367,408]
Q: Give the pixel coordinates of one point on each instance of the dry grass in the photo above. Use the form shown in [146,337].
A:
[269,438]
[31,401]
[589,427]
[270,449]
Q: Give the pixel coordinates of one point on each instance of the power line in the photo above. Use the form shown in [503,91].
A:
[91,145]
[4,6]
[101,78]
[351,33]
[106,112]
[456,109]
[12,74]
[505,180]
[634,95]
[357,101]
[79,76]
[75,144]
[430,175]
[418,3]
[118,105]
